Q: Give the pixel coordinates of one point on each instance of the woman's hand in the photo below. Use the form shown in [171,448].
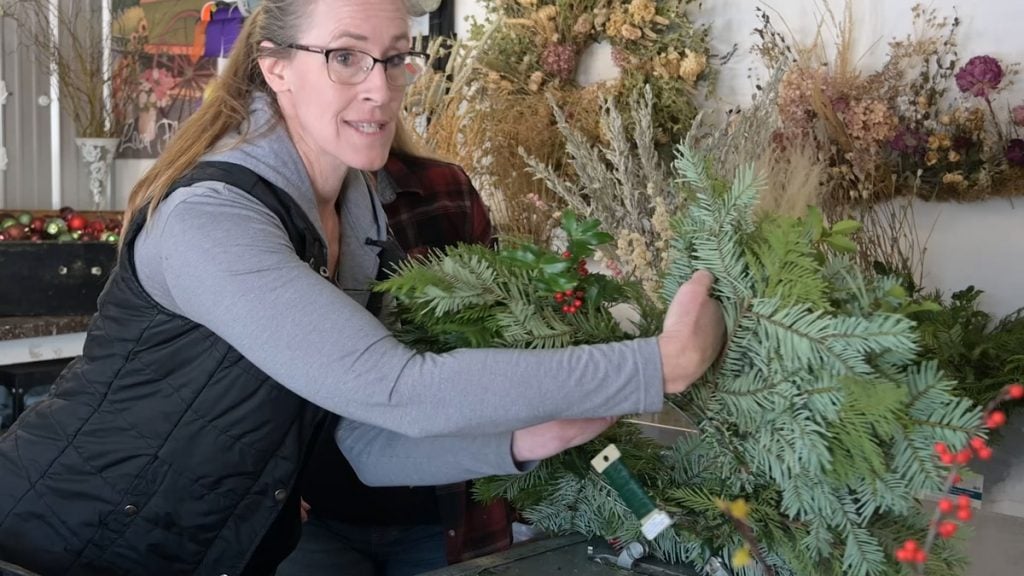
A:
[692,335]
[550,438]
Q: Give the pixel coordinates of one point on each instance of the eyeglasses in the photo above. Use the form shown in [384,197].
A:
[350,66]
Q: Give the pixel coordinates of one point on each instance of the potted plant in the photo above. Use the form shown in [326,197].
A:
[80,65]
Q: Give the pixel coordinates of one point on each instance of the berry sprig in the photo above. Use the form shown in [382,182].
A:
[571,300]
[943,524]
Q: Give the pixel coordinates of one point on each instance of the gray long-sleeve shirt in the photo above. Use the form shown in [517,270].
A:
[214,254]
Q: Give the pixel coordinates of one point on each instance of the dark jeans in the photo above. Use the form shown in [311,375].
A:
[330,548]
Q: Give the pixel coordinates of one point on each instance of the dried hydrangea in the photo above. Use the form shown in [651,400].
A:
[869,120]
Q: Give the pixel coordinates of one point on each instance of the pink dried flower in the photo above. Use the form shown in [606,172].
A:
[980,76]
[621,58]
[1017,113]
[559,60]
[909,141]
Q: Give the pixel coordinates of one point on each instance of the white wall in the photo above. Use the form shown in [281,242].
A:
[977,243]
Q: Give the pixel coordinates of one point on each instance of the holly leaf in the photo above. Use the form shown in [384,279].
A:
[814,222]
[550,264]
[569,223]
[841,243]
[523,255]
[846,227]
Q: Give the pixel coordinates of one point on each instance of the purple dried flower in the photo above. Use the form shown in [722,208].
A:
[1015,152]
[1017,113]
[980,76]
[908,141]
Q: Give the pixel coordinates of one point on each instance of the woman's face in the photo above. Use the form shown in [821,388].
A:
[351,122]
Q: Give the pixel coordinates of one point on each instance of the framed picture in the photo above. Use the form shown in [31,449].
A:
[159,71]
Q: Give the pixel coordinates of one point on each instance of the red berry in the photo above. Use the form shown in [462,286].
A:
[964,514]
[963,501]
[985,453]
[559,296]
[920,557]
[940,448]
[996,419]
[977,443]
[946,459]
[577,302]
[1015,391]
[579,293]
[572,310]
[566,254]
[903,555]
[956,478]
[947,529]
[963,456]
[568,293]
[945,505]
[910,545]
[566,308]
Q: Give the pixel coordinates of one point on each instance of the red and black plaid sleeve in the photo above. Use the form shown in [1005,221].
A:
[436,206]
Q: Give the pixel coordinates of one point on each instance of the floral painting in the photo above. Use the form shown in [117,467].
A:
[159,71]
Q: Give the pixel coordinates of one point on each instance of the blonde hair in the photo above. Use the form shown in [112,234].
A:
[226,105]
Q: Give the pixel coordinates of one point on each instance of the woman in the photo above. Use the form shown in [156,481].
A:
[401,530]
[173,444]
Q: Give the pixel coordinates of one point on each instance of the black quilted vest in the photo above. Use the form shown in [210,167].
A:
[162,449]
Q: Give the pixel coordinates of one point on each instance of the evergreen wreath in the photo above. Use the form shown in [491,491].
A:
[817,427]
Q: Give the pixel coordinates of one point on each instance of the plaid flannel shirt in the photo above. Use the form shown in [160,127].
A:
[433,204]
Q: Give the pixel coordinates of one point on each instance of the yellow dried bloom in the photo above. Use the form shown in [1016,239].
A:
[630,32]
[741,557]
[584,24]
[535,81]
[692,66]
[931,158]
[945,141]
[616,20]
[547,12]
[953,156]
[642,11]
[739,510]
[945,120]
[923,103]
[953,178]
[933,142]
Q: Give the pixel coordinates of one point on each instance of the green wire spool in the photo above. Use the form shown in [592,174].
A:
[610,465]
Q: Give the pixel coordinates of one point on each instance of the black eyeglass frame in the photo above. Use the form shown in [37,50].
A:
[327,52]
